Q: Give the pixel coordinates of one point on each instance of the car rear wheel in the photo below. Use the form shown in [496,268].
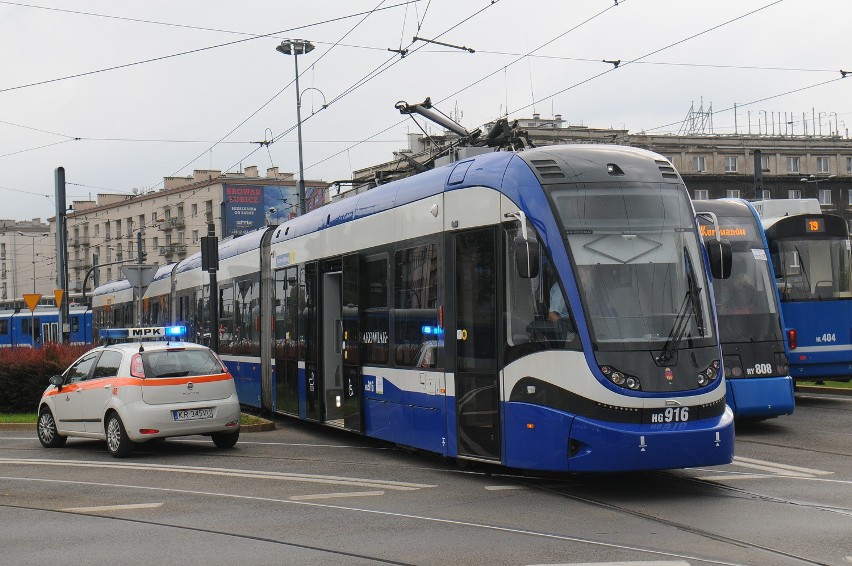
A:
[118,443]
[225,439]
[47,433]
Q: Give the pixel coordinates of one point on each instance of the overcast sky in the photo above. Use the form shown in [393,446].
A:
[123,94]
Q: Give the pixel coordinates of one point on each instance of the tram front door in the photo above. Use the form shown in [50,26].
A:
[476,377]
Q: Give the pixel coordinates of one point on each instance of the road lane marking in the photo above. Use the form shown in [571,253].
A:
[244,474]
[391,514]
[503,487]
[645,563]
[113,508]
[750,462]
[335,495]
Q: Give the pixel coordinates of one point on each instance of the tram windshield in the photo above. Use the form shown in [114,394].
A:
[812,269]
[745,302]
[637,264]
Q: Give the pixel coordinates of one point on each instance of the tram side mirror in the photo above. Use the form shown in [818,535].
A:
[526,257]
[719,254]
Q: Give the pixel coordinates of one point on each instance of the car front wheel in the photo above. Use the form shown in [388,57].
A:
[47,433]
[225,439]
[118,443]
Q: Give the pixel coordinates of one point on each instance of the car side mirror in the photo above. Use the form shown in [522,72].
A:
[719,254]
[526,257]
[57,380]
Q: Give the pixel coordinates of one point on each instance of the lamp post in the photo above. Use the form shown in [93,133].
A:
[296,47]
[816,181]
[32,312]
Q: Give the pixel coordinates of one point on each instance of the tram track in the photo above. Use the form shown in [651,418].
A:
[709,535]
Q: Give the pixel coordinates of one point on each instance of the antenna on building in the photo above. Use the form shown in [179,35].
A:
[697,122]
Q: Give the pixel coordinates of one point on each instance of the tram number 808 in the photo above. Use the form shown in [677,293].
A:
[671,415]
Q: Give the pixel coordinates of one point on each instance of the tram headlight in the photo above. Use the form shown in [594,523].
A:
[702,379]
[620,378]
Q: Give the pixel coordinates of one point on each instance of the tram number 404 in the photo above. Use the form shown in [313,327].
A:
[670,415]
[826,338]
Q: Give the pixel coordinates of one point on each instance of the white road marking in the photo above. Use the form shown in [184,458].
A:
[482,526]
[335,495]
[252,474]
[503,487]
[113,508]
[651,563]
[740,461]
[736,477]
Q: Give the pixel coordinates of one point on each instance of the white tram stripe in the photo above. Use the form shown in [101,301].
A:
[113,508]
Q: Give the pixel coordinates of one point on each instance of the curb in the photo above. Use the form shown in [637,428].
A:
[259,427]
[827,390]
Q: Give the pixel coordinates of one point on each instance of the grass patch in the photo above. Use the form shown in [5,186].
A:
[828,383]
[246,419]
[18,418]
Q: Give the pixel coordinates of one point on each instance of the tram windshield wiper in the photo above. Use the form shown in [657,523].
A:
[681,323]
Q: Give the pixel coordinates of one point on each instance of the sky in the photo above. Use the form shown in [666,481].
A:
[122,94]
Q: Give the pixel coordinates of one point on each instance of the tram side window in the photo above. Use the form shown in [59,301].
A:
[538,316]
[415,306]
[286,309]
[4,326]
[247,316]
[26,329]
[227,338]
[374,313]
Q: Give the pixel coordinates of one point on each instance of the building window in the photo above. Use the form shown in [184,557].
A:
[670,158]
[822,164]
[849,164]
[732,193]
[97,229]
[825,196]
[849,196]
[194,209]
[793,165]
[764,163]
[699,164]
[766,194]
[702,194]
[731,164]
[195,236]
[794,193]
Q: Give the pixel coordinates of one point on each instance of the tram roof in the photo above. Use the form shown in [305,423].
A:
[729,207]
[111,287]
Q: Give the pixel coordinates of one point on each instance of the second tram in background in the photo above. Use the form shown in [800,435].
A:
[751,328]
[546,310]
[810,253]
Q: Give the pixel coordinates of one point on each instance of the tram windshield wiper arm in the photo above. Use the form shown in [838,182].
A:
[681,323]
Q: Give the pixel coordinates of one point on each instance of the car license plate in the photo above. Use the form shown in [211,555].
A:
[193,414]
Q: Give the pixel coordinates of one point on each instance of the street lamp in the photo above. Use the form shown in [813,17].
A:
[296,47]
[816,181]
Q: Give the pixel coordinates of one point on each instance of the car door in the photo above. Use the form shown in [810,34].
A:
[98,389]
[68,405]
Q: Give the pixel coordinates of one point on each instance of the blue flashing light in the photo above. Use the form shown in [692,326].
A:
[432,330]
[114,333]
[176,331]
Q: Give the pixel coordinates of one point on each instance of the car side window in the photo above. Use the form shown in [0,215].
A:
[80,370]
[107,365]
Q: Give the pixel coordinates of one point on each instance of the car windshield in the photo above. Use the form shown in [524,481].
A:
[180,363]
[638,264]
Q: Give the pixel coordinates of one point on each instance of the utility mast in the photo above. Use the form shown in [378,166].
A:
[697,122]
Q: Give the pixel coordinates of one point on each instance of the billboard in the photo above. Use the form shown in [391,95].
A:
[248,208]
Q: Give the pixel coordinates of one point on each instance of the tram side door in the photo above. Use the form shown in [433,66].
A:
[476,375]
[332,348]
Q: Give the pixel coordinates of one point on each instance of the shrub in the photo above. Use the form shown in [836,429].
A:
[24,373]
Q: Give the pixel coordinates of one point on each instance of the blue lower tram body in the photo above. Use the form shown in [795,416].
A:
[428,422]
[760,397]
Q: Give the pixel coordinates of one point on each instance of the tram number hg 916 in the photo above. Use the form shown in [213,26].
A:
[670,415]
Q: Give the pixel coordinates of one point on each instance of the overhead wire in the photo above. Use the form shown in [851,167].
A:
[190,51]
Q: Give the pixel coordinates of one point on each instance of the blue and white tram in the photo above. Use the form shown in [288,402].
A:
[421,313]
[748,311]
[112,306]
[157,304]
[18,328]
[544,310]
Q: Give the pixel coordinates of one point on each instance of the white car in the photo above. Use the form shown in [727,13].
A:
[134,392]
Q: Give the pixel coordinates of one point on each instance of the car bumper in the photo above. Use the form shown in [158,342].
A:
[144,422]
